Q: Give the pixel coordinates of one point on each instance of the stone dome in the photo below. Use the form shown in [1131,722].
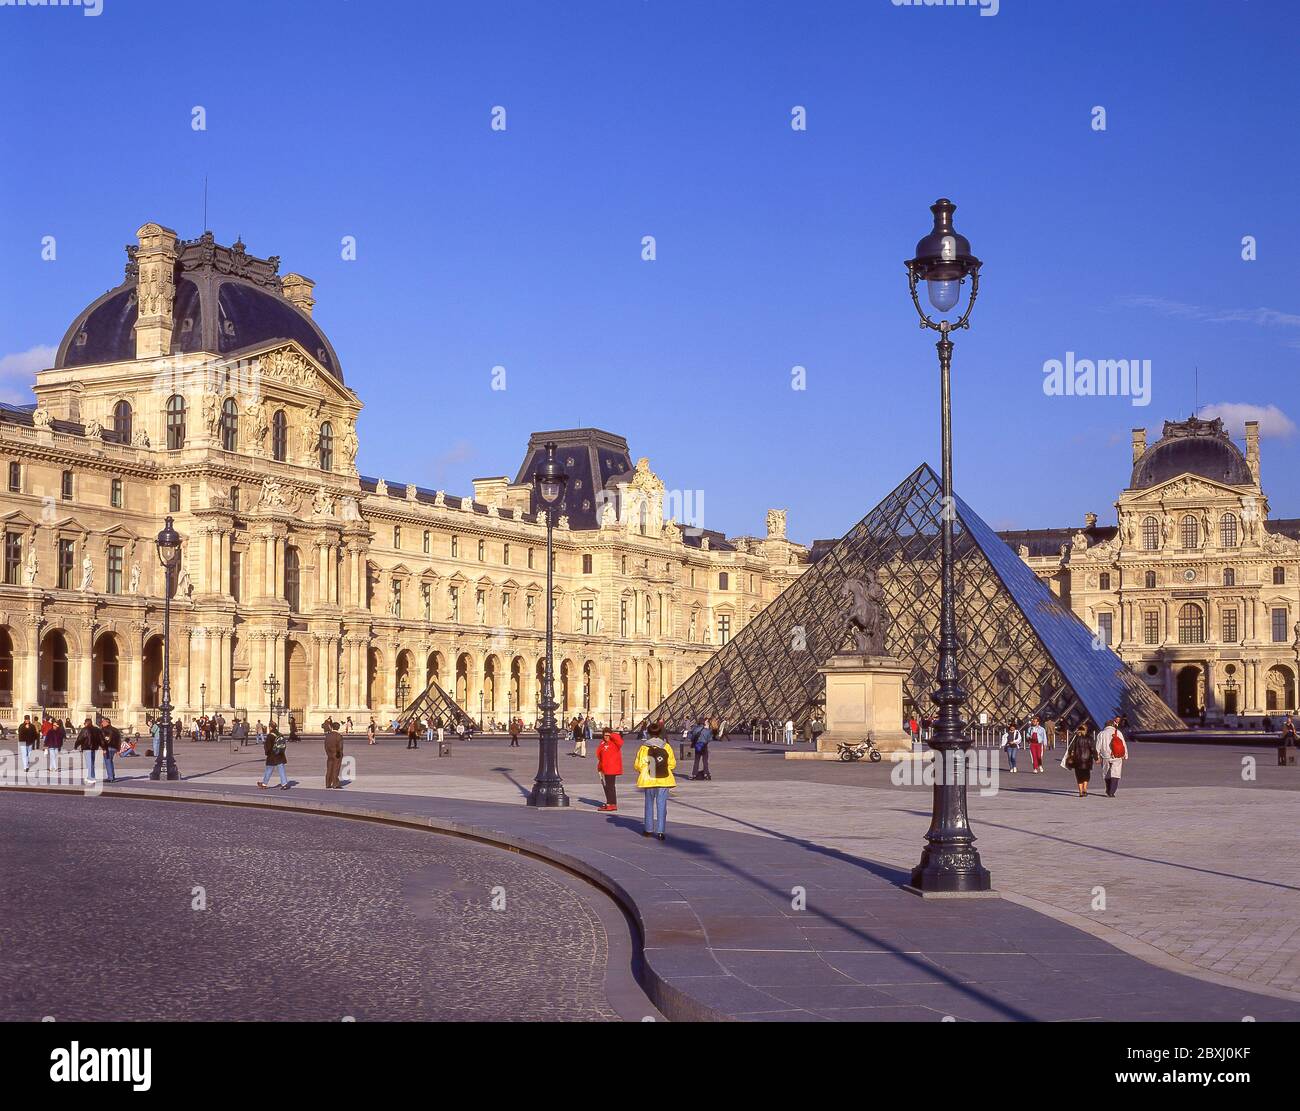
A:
[1193,446]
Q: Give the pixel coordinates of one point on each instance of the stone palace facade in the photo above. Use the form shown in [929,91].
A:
[202,387]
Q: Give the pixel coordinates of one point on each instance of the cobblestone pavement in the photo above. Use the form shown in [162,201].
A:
[307,918]
[1188,858]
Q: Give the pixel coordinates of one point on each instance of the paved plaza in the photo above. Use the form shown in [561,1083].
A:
[1173,900]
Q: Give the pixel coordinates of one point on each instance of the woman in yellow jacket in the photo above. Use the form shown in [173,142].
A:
[654,766]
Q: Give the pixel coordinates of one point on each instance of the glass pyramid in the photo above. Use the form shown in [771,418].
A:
[1021,651]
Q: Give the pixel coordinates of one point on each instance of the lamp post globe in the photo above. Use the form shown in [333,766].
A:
[950,863]
[549,481]
[168,543]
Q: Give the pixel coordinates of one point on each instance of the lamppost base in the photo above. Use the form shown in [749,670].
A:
[548,795]
[950,875]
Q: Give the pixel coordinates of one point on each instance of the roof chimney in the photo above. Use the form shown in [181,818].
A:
[297,290]
[155,290]
[1252,449]
[1139,443]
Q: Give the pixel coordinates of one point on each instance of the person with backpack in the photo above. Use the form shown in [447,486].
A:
[701,735]
[1079,756]
[609,766]
[1113,750]
[1011,740]
[654,765]
[274,747]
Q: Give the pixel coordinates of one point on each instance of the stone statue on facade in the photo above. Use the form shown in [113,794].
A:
[135,579]
[29,572]
[864,615]
[87,572]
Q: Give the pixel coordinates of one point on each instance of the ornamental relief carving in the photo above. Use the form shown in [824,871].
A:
[290,366]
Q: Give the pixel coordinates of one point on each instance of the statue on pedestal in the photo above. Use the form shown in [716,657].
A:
[864,615]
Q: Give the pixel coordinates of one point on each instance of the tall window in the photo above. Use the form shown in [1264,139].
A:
[622,617]
[122,421]
[1191,625]
[115,493]
[587,616]
[455,546]
[13,557]
[234,499]
[1150,580]
[530,559]
[505,554]
[1105,627]
[1229,576]
[15,478]
[66,488]
[67,563]
[113,583]
[175,422]
[482,551]
[1228,530]
[236,574]
[1279,625]
[586,565]
[1151,627]
[1279,576]
[724,628]
[1191,532]
[722,580]
[279,436]
[1105,580]
[1230,626]
[291,571]
[1150,534]
[327,446]
[428,542]
[229,425]
[173,499]
[397,536]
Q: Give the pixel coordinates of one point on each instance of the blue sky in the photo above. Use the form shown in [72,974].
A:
[775,248]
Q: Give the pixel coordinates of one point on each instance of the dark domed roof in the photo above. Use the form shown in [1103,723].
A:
[1193,446]
[226,302]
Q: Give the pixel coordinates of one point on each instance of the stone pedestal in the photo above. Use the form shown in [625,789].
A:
[864,694]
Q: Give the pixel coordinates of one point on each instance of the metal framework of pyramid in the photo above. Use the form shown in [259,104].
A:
[437,707]
[1021,651]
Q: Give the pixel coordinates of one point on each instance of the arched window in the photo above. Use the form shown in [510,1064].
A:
[229,425]
[327,446]
[279,436]
[1191,625]
[1228,530]
[1150,534]
[1191,532]
[175,422]
[122,421]
[1150,580]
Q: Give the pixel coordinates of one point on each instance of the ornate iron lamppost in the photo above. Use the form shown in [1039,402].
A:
[950,863]
[271,687]
[548,788]
[168,543]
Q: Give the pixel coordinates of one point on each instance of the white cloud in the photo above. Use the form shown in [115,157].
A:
[18,370]
[1272,421]
[1264,318]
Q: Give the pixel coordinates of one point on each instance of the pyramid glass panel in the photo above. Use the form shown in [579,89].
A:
[1021,652]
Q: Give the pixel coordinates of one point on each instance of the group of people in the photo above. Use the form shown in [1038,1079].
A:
[98,740]
[275,747]
[1084,749]
[582,730]
[654,764]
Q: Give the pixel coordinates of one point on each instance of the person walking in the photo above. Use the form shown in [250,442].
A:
[1011,740]
[28,735]
[516,727]
[412,736]
[112,740]
[370,733]
[274,746]
[1079,756]
[293,729]
[1112,747]
[333,756]
[579,738]
[426,727]
[609,766]
[654,765]
[54,737]
[1037,741]
[89,741]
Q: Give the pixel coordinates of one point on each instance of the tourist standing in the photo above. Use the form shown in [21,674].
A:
[516,727]
[370,733]
[701,736]
[789,731]
[333,756]
[412,736]
[1079,756]
[276,761]
[654,765]
[579,738]
[1037,741]
[27,738]
[609,766]
[89,741]
[54,743]
[112,746]
[1011,740]
[1112,747]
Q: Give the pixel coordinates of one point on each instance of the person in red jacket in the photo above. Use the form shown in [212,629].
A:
[609,764]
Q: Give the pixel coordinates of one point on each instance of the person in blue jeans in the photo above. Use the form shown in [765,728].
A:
[654,766]
[1012,739]
[89,740]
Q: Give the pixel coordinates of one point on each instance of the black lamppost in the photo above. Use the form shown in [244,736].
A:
[271,687]
[168,543]
[203,699]
[950,863]
[548,788]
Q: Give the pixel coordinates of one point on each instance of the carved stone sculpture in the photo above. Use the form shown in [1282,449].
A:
[865,618]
